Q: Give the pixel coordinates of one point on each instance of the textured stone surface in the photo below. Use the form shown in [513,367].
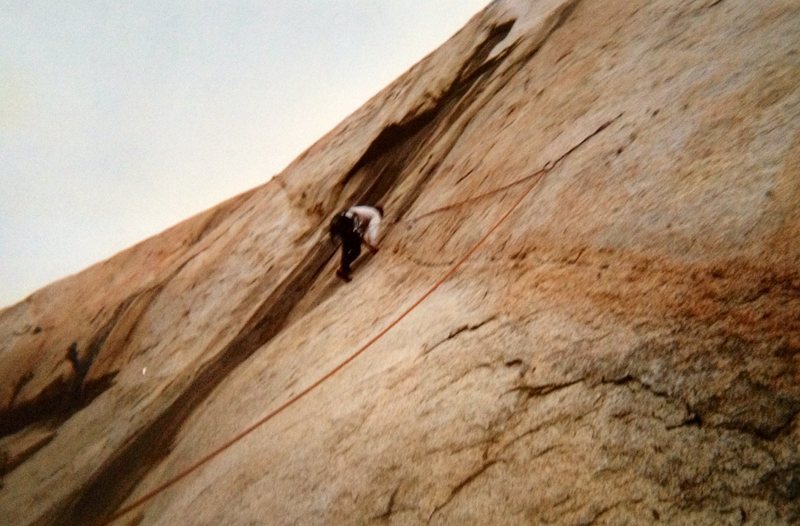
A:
[624,349]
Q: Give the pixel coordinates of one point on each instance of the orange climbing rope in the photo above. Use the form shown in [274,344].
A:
[536,177]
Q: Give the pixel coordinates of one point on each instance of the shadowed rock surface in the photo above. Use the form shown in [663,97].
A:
[624,349]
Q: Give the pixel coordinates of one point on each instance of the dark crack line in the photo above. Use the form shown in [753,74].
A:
[782,429]
[390,506]
[629,378]
[463,484]
[548,423]
[531,391]
[454,333]
[693,419]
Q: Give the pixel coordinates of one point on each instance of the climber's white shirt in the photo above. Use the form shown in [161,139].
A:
[369,216]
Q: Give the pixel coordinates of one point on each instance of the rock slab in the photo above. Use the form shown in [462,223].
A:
[624,348]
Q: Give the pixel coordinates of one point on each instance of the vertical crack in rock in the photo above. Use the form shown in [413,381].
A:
[399,148]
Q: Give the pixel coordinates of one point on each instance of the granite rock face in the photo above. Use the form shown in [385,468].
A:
[624,348]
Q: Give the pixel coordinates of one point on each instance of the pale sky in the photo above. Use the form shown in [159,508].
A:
[119,119]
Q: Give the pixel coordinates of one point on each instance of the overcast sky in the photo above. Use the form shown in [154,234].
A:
[119,119]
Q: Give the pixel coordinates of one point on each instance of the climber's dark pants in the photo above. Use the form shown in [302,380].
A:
[351,249]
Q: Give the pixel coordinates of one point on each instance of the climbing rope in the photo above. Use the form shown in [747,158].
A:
[535,177]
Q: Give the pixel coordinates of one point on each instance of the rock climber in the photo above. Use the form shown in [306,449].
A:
[356,225]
